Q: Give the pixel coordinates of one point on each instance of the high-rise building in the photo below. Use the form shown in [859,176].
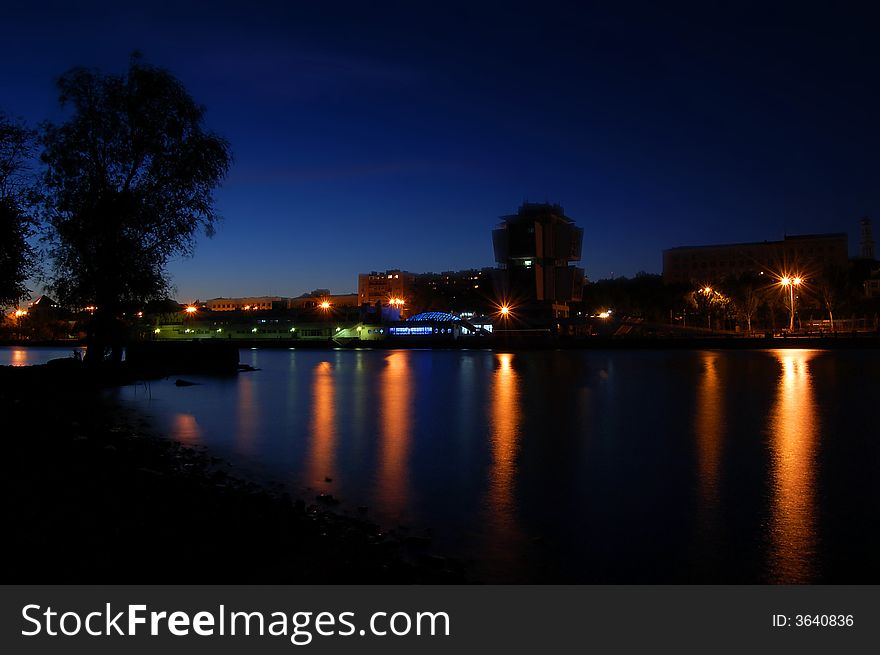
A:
[804,255]
[385,287]
[533,249]
[251,303]
[465,291]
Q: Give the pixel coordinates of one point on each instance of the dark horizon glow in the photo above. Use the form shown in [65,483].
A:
[370,138]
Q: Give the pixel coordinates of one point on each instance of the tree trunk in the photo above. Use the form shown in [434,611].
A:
[96,344]
[105,336]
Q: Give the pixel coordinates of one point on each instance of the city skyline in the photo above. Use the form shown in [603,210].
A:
[396,137]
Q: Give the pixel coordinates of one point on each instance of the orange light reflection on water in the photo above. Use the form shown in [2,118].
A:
[395,424]
[248,413]
[505,418]
[186,429]
[20,357]
[709,424]
[794,435]
[323,424]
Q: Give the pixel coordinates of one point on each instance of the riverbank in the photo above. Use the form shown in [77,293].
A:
[92,498]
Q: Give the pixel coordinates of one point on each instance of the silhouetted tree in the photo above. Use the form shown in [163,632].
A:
[16,197]
[745,294]
[828,298]
[838,288]
[129,181]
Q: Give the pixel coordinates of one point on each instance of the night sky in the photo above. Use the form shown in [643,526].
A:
[368,138]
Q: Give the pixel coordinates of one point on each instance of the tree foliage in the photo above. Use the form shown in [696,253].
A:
[129,183]
[16,197]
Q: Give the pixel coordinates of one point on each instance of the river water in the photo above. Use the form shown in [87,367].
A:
[569,466]
[32,355]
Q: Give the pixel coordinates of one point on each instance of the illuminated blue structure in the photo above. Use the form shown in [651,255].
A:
[439,325]
[434,316]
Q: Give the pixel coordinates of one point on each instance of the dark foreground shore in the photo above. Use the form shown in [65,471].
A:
[91,498]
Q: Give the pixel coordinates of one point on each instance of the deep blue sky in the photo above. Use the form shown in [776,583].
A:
[373,137]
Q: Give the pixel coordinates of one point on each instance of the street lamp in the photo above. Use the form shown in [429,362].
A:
[398,304]
[791,283]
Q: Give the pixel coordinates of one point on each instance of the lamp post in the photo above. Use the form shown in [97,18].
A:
[398,304]
[707,291]
[791,283]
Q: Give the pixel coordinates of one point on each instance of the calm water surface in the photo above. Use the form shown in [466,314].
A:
[570,466]
[32,355]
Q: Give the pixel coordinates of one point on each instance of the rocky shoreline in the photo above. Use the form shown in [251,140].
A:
[92,498]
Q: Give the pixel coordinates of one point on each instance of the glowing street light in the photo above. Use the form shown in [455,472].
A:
[707,291]
[19,313]
[191,310]
[325,305]
[791,283]
[505,311]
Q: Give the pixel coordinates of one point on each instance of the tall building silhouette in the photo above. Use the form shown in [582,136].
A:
[533,249]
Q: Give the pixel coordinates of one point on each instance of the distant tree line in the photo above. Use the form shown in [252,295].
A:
[748,302]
